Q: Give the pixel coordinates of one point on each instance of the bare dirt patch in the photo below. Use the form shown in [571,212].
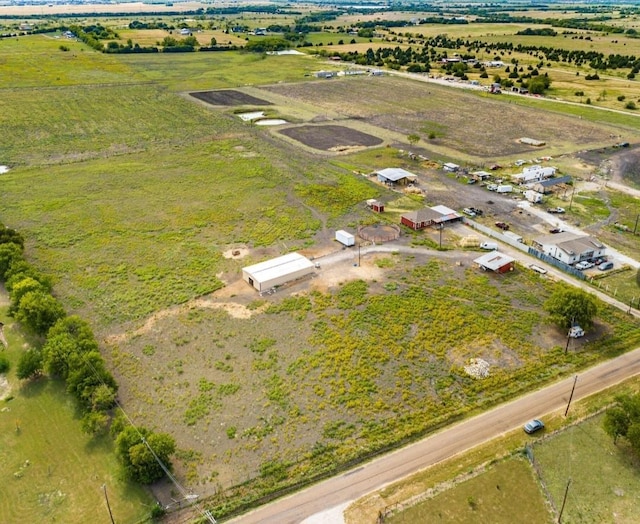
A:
[229,97]
[331,137]
[236,252]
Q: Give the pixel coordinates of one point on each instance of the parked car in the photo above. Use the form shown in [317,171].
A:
[533,425]
[469,211]
[471,181]
[477,211]
[576,332]
[558,210]
[492,187]
[583,265]
[555,230]
[502,225]
[604,266]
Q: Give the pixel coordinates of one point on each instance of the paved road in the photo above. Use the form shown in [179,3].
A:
[447,443]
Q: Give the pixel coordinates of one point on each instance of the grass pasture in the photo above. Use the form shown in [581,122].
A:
[604,477]
[493,496]
[37,61]
[51,471]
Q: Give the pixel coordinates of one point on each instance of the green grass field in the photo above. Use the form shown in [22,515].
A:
[51,471]
[507,492]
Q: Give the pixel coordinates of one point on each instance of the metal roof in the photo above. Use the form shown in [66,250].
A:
[494,260]
[396,173]
[554,181]
[276,267]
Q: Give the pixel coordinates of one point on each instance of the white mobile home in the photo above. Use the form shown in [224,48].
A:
[569,247]
[277,271]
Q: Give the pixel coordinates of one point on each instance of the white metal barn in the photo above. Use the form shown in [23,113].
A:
[277,271]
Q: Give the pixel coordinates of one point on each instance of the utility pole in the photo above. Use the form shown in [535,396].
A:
[441,228]
[571,396]
[564,500]
[104,488]
[636,226]
[571,201]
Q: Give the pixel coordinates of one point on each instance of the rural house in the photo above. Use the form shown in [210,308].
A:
[395,175]
[569,247]
[277,271]
[546,186]
[496,262]
[430,216]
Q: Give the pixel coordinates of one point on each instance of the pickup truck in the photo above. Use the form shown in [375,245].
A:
[558,210]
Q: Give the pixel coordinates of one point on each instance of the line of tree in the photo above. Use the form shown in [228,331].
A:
[67,350]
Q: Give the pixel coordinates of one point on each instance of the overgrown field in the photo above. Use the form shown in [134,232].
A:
[51,471]
[339,375]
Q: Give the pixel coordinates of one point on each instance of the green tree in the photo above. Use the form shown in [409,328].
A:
[623,420]
[214,42]
[413,139]
[134,449]
[95,422]
[29,365]
[38,311]
[9,254]
[568,306]
[21,288]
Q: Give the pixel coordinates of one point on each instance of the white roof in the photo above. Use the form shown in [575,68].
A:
[396,173]
[444,210]
[270,269]
[494,260]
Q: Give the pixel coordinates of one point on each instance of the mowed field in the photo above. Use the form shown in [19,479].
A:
[132,196]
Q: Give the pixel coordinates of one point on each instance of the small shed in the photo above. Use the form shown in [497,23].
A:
[396,175]
[450,167]
[345,238]
[496,262]
[375,205]
[277,271]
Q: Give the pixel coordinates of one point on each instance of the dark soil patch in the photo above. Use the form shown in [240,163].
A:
[330,137]
[229,97]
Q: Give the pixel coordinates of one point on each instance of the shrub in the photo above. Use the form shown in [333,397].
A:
[4,364]
[621,98]
[630,105]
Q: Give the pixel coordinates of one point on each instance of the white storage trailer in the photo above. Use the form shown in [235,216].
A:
[345,238]
[277,271]
[504,189]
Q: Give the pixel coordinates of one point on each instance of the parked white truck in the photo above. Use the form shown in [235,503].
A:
[504,189]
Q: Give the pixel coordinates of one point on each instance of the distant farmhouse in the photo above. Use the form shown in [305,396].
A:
[429,217]
[569,247]
[395,175]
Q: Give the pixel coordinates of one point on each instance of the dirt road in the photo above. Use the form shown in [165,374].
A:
[447,443]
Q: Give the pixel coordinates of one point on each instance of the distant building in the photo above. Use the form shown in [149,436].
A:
[277,271]
[395,175]
[569,247]
[496,262]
